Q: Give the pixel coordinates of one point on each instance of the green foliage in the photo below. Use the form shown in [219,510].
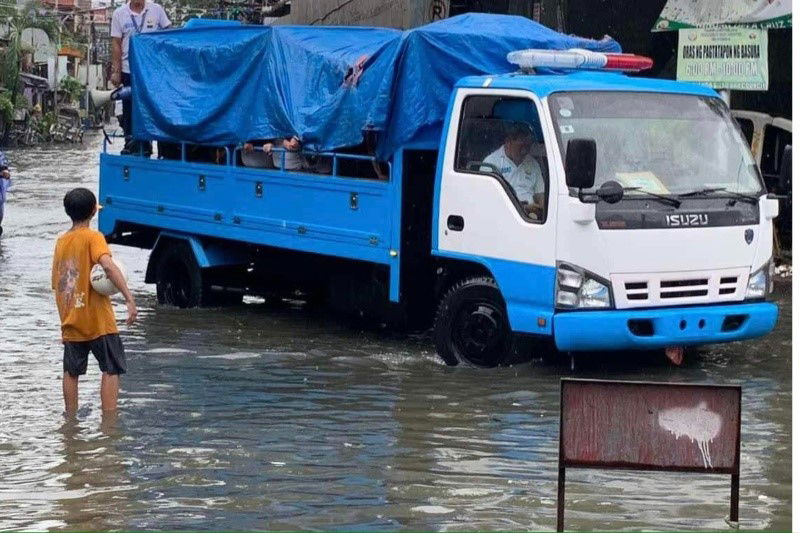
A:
[9,65]
[12,53]
[77,41]
[20,102]
[43,125]
[6,109]
[17,19]
[72,87]
[30,15]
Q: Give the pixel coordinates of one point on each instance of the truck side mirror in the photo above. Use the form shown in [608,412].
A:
[581,162]
[785,174]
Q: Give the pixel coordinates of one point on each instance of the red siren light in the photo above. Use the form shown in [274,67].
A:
[628,62]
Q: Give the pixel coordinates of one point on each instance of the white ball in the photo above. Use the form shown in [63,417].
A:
[100,281]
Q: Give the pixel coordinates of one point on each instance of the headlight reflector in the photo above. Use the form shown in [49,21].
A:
[594,294]
[760,283]
[569,279]
[577,288]
[567,299]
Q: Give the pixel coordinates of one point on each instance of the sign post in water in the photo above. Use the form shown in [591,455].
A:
[662,427]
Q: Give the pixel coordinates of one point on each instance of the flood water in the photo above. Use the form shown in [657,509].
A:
[259,417]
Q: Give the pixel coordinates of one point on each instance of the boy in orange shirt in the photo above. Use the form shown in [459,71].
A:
[87,318]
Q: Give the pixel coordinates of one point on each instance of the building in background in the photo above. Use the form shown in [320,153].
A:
[402,14]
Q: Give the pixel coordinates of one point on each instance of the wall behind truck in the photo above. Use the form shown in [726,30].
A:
[777,101]
[548,12]
[404,14]
[388,13]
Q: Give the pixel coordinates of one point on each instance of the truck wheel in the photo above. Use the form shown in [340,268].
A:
[472,325]
[179,280]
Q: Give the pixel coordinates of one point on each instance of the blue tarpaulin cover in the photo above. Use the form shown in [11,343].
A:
[327,85]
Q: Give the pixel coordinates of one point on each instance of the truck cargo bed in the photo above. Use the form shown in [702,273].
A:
[342,217]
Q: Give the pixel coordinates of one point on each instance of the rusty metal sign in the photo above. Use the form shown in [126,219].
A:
[650,426]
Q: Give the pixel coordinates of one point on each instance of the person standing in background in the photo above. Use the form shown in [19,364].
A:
[133,18]
[5,184]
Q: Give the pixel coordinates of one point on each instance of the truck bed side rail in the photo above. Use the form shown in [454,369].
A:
[327,214]
[232,156]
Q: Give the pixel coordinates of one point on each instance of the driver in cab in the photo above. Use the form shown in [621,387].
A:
[515,162]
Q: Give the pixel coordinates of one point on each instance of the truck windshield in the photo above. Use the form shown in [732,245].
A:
[668,144]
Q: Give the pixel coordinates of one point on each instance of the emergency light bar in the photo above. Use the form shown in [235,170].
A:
[578,58]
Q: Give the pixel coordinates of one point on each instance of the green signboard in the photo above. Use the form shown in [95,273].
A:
[681,14]
[724,58]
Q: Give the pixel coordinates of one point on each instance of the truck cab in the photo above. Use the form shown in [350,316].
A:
[654,229]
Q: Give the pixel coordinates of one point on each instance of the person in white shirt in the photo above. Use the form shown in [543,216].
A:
[513,160]
[137,16]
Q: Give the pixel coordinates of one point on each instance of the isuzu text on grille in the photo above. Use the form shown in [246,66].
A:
[687,220]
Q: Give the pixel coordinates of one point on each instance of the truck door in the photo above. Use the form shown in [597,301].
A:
[496,199]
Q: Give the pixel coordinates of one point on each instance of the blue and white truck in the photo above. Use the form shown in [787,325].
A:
[648,226]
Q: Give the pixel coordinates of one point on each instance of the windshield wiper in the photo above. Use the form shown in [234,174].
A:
[674,202]
[712,190]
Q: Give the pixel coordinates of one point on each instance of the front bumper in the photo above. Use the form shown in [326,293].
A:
[659,328]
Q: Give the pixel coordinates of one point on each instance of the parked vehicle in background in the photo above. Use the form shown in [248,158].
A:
[770,140]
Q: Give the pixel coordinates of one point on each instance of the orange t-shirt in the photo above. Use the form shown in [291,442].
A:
[85,313]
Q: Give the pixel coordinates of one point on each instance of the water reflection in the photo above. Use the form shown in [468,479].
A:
[264,417]
[94,475]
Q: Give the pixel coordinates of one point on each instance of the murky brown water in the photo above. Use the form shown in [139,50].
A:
[259,418]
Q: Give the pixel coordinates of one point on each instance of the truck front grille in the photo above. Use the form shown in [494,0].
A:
[648,290]
[684,288]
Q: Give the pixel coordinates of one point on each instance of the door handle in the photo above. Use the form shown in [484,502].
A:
[455,222]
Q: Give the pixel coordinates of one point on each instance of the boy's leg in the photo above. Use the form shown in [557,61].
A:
[70,387]
[76,355]
[110,355]
[109,391]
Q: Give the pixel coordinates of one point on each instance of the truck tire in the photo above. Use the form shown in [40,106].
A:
[471,324]
[181,282]
[179,279]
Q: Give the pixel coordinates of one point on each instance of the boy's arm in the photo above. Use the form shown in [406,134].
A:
[118,280]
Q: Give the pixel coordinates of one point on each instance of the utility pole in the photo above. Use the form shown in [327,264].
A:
[58,62]
[89,25]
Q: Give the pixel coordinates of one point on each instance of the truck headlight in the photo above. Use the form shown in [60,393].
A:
[577,288]
[760,283]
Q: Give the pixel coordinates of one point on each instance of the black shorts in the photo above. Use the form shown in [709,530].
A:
[107,350]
